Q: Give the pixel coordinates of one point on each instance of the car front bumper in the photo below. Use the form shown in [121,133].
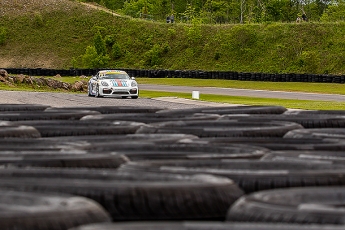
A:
[107,91]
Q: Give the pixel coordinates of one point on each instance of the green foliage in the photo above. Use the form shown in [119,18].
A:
[193,31]
[91,59]
[3,35]
[334,13]
[153,57]
[116,51]
[171,33]
[99,44]
[109,40]
[225,11]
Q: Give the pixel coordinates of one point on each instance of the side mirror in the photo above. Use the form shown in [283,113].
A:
[133,78]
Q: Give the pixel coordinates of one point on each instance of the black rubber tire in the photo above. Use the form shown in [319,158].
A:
[41,144]
[326,133]
[71,160]
[49,131]
[80,123]
[315,112]
[147,145]
[229,110]
[110,109]
[276,143]
[134,97]
[196,152]
[39,115]
[149,117]
[230,164]
[335,157]
[204,197]
[320,205]
[97,92]
[306,120]
[223,128]
[40,211]
[51,128]
[89,91]
[153,138]
[205,225]
[92,174]
[22,107]
[268,175]
[20,131]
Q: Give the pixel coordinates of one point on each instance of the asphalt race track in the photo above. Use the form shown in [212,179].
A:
[68,100]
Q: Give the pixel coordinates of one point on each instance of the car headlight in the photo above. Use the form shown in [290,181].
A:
[134,84]
[104,83]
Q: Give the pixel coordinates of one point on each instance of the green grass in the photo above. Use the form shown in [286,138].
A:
[287,103]
[327,88]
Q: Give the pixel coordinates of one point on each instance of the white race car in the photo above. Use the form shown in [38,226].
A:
[113,83]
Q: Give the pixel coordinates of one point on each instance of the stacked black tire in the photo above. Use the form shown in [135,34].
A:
[236,167]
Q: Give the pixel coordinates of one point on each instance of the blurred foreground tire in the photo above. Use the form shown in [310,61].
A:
[39,211]
[251,175]
[223,128]
[203,226]
[322,205]
[201,197]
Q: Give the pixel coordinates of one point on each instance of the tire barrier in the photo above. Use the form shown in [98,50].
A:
[326,133]
[277,144]
[335,157]
[201,197]
[195,225]
[226,110]
[196,74]
[43,211]
[200,168]
[306,120]
[252,175]
[299,205]
[223,128]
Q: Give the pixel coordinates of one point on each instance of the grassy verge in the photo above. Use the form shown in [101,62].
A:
[292,104]
[327,88]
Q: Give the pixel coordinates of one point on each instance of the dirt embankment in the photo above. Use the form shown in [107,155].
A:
[38,82]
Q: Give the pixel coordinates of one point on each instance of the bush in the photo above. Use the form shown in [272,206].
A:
[116,51]
[109,40]
[99,44]
[193,32]
[153,56]
[91,59]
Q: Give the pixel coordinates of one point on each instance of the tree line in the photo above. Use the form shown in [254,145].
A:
[229,11]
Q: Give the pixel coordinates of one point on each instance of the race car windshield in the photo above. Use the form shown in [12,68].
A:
[116,76]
